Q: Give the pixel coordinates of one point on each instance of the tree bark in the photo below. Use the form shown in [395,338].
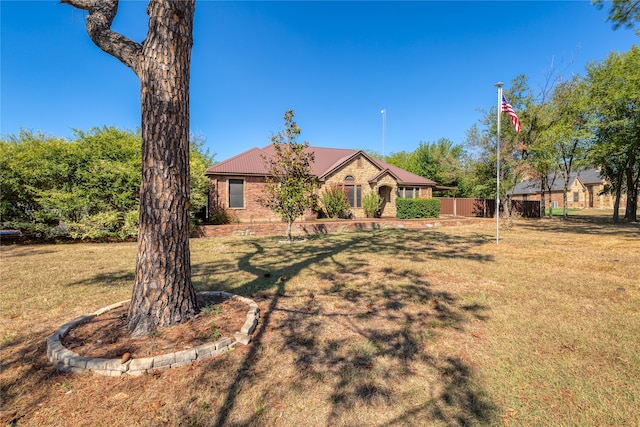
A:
[289,223]
[163,293]
[630,213]
[543,186]
[618,190]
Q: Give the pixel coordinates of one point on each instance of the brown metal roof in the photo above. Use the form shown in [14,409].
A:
[248,163]
[326,161]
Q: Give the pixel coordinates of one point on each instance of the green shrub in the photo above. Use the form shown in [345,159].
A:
[130,226]
[417,208]
[32,230]
[371,203]
[335,201]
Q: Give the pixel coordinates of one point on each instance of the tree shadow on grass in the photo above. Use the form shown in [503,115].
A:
[384,329]
[584,224]
[24,371]
[110,279]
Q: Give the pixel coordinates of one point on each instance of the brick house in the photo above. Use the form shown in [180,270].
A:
[238,182]
[584,191]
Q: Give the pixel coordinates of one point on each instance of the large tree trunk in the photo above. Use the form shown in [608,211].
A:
[163,293]
[565,208]
[616,206]
[630,213]
[543,186]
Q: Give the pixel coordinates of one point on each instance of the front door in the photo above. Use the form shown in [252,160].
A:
[385,194]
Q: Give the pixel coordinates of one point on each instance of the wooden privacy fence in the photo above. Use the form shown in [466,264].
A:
[485,208]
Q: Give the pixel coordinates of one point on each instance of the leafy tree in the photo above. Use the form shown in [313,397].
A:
[538,119]
[512,148]
[614,90]
[480,180]
[87,187]
[291,185]
[442,161]
[571,132]
[542,158]
[163,293]
[34,167]
[401,159]
[622,12]
[199,161]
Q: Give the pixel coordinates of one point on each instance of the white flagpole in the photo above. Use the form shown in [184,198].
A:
[499,86]
[384,130]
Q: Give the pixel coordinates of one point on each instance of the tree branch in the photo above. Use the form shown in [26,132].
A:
[101,15]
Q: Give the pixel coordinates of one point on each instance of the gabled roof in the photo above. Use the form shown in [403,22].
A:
[247,163]
[584,176]
[326,161]
[404,177]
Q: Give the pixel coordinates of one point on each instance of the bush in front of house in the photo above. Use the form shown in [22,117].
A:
[334,201]
[371,203]
[417,208]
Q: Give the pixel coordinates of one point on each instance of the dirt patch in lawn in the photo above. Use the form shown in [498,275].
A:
[107,335]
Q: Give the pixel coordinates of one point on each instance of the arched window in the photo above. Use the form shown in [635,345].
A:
[354,192]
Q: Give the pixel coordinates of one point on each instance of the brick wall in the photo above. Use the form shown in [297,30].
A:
[254,188]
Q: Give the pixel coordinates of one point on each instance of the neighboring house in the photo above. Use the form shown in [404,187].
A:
[584,191]
[238,183]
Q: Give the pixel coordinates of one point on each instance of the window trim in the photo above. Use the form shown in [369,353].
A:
[354,195]
[244,199]
[415,192]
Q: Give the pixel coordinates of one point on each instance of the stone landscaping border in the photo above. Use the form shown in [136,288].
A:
[66,360]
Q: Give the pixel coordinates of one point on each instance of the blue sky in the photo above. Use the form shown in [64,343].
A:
[431,65]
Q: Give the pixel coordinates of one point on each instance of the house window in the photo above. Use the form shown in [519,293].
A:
[575,196]
[236,193]
[409,192]
[354,194]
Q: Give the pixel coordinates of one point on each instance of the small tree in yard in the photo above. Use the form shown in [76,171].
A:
[290,184]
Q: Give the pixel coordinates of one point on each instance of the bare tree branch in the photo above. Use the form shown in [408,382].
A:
[101,15]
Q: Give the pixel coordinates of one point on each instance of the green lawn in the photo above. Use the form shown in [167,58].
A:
[376,328]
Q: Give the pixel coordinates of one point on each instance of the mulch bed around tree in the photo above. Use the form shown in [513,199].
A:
[107,336]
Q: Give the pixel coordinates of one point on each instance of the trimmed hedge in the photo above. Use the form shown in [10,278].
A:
[417,208]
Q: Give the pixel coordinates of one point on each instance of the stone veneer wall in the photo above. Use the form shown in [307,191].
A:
[600,201]
[361,170]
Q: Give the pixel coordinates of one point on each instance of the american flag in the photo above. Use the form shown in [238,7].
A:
[507,108]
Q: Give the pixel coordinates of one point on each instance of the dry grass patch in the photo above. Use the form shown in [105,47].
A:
[377,328]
